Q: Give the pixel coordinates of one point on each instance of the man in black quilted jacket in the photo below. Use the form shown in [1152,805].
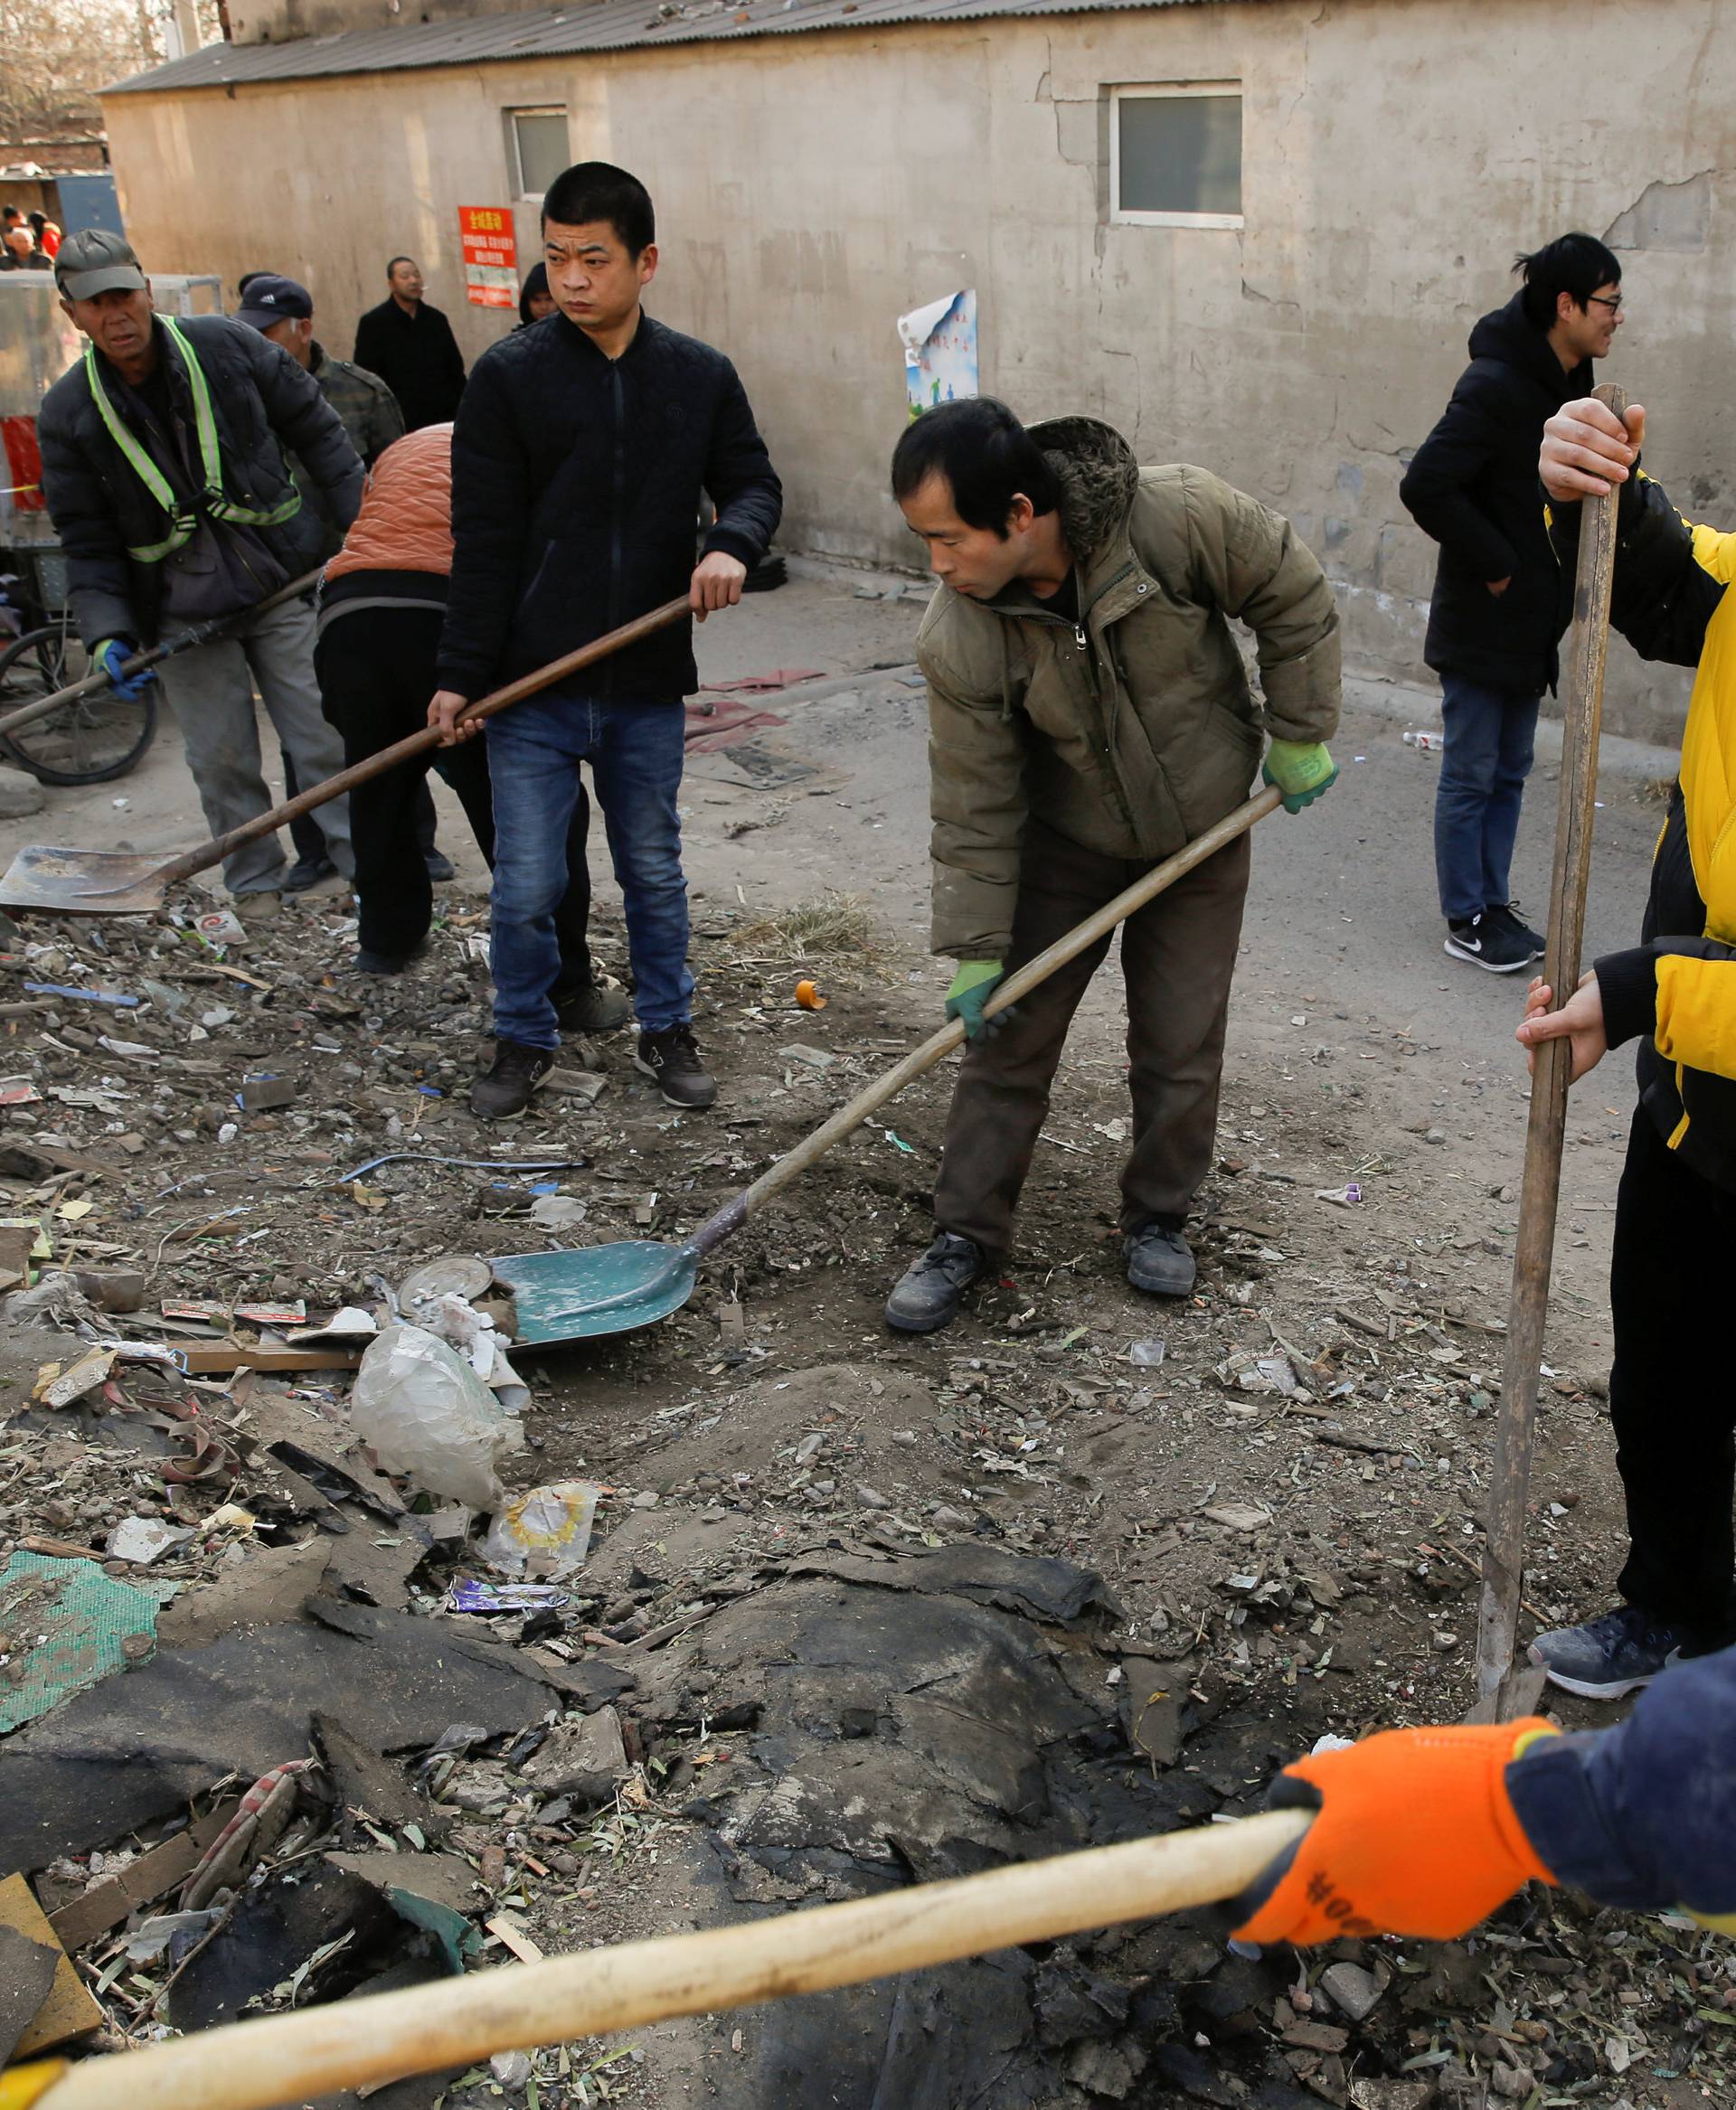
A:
[580,451]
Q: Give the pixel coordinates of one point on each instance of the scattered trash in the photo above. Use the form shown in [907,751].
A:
[1428,744]
[558,1212]
[1347,1196]
[424,1412]
[143,1540]
[810,1058]
[1146,1354]
[807,995]
[544,1534]
[471,1594]
[117,1000]
[221,927]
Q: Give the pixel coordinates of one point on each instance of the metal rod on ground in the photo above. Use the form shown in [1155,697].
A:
[358,2043]
[1504,1546]
[201,634]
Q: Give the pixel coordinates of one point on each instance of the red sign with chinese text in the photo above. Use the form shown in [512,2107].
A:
[490,256]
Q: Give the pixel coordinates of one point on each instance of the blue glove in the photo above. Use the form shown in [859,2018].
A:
[110,657]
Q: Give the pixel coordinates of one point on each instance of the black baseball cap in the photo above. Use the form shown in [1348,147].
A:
[271,299]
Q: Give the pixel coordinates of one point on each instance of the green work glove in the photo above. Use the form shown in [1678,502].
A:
[1301,769]
[969,992]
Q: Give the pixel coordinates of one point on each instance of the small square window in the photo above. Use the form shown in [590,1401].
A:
[539,149]
[1175,155]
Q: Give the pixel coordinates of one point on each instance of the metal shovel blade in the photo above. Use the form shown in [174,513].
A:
[83,882]
[597,1290]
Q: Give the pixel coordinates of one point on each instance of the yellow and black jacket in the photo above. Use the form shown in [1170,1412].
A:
[1678,986]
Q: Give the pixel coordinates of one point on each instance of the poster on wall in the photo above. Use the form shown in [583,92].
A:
[490,256]
[939,345]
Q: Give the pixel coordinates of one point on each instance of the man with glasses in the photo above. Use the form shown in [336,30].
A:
[1501,602]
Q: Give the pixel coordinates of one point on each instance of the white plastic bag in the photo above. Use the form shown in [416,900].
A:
[425,1412]
[545,1533]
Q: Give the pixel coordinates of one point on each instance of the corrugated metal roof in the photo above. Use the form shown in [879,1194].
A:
[588,25]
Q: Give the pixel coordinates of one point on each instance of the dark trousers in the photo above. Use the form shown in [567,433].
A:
[1179,955]
[305,832]
[1671,1395]
[376,675]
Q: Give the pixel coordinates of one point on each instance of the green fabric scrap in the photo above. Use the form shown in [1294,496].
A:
[457,1939]
[67,1624]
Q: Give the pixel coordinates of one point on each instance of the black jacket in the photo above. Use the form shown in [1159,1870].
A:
[418,358]
[265,406]
[1675,990]
[1472,486]
[576,482]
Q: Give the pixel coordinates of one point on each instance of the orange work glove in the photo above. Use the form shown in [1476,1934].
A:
[1416,1835]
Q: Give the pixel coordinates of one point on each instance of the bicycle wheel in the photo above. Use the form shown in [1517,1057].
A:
[89,742]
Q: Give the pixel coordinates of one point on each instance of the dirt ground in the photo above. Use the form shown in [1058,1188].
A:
[1281,1479]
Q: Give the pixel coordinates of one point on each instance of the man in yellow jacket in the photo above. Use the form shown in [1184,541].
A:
[1672,1391]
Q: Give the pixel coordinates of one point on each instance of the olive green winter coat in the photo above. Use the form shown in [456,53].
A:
[1135,729]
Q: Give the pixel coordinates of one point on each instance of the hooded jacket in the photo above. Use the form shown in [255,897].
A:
[1134,729]
[1472,486]
[1675,990]
[265,406]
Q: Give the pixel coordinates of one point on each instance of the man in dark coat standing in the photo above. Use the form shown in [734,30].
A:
[1500,603]
[410,344]
[578,459]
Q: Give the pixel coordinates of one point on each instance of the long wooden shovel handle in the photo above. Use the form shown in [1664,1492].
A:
[737,1210]
[356,2043]
[417,743]
[201,634]
[1504,1544]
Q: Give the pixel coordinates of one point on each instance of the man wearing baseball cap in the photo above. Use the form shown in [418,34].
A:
[163,465]
[282,309]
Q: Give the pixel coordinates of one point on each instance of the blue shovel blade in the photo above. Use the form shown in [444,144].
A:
[597,1290]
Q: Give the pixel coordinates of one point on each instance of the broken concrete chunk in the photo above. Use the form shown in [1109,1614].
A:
[583,1759]
[1354,1991]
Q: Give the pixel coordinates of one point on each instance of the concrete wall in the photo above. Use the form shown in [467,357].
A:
[811,187]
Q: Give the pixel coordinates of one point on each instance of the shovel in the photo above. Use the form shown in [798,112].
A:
[201,634]
[362,2043]
[108,883]
[613,1289]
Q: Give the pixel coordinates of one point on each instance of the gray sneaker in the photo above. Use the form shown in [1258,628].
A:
[1160,1261]
[1608,1656]
[928,1292]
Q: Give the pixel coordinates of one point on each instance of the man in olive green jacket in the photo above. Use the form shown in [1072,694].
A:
[1088,715]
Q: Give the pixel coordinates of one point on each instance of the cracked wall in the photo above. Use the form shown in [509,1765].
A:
[810,188]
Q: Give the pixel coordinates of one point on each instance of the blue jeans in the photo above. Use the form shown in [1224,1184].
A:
[636,752]
[1490,734]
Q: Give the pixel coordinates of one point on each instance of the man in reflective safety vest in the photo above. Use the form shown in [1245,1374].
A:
[164,469]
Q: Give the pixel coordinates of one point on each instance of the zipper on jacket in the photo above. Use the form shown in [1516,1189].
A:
[619,492]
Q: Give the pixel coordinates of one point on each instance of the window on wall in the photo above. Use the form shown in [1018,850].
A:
[537,144]
[1176,154]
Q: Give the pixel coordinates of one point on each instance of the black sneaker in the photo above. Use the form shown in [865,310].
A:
[507,1089]
[591,1007]
[304,872]
[1160,1261]
[1506,914]
[1486,942]
[1615,1653]
[368,962]
[672,1058]
[927,1295]
[440,867]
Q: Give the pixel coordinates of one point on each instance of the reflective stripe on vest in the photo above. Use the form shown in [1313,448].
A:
[212,502]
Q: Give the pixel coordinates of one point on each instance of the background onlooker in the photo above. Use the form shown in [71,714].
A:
[410,344]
